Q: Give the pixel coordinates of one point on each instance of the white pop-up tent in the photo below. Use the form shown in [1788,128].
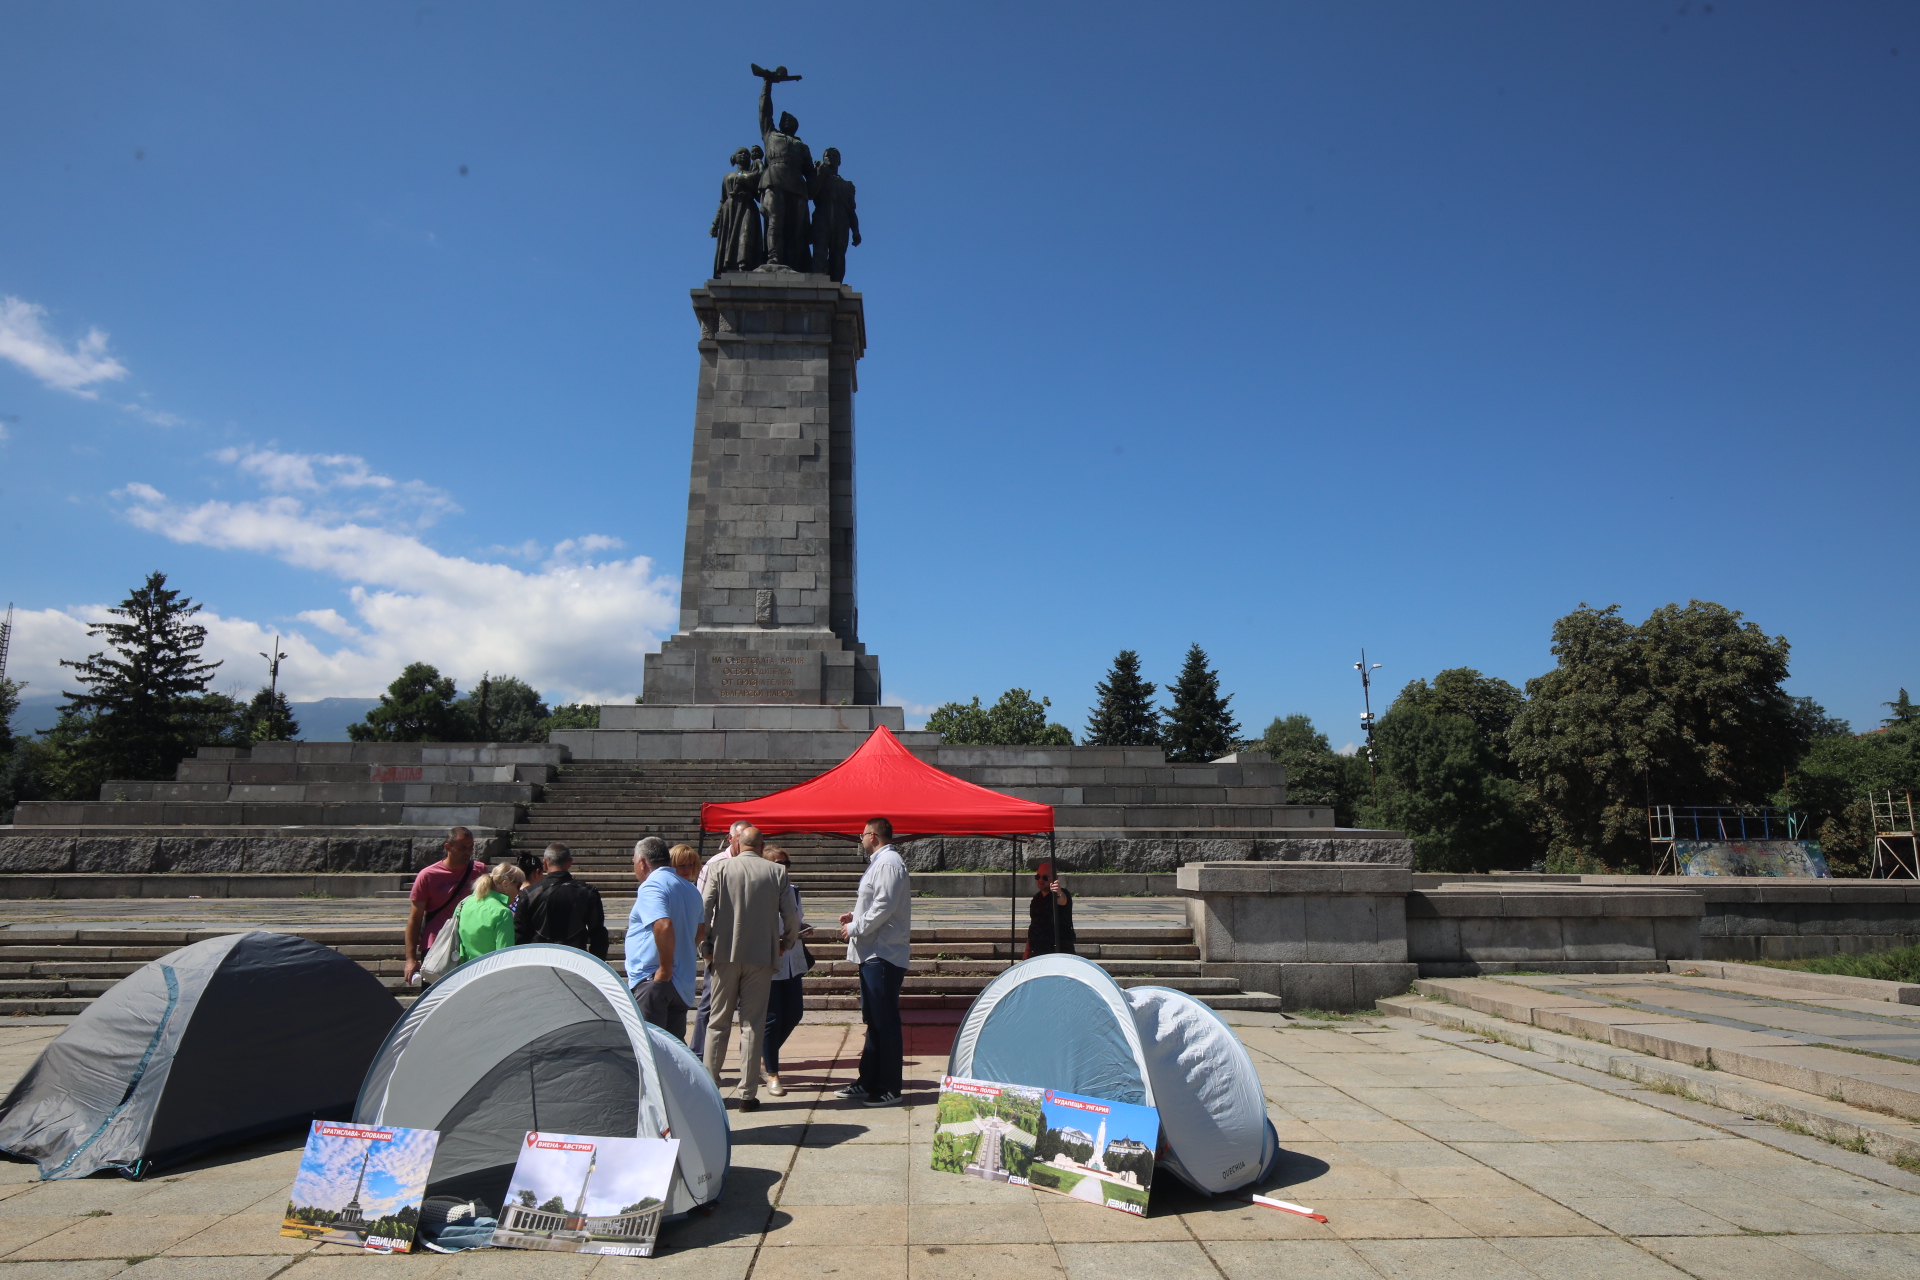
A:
[541,1037]
[1060,1022]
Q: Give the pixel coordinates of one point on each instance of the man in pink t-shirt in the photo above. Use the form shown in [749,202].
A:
[437,891]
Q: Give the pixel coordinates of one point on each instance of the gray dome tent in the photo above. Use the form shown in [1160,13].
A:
[1060,1022]
[541,1037]
[215,1043]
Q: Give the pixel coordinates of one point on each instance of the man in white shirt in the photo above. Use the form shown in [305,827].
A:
[703,1011]
[879,934]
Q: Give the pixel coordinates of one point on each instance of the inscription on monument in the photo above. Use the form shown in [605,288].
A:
[759,677]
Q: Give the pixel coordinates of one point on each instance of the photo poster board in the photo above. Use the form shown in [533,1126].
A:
[1090,1149]
[575,1193]
[360,1185]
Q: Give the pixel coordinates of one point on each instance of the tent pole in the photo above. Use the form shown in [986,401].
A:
[1053,900]
[1013,899]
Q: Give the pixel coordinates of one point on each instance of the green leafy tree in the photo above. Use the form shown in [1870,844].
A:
[1199,726]
[571,715]
[1016,720]
[268,717]
[417,707]
[1813,723]
[1124,714]
[1834,782]
[527,1198]
[216,720]
[1316,774]
[554,1205]
[9,707]
[142,698]
[1488,701]
[1441,784]
[1904,712]
[1685,708]
[502,709]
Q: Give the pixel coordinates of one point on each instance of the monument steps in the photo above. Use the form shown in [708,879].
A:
[61,971]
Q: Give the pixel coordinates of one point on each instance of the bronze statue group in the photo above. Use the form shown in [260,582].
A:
[764,223]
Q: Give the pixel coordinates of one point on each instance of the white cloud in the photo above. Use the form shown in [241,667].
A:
[380,498]
[25,341]
[577,628]
[157,417]
[917,712]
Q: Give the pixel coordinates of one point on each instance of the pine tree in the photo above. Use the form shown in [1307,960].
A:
[142,697]
[1199,727]
[1904,712]
[268,718]
[1124,715]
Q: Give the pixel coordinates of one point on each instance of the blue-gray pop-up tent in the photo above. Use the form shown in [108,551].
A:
[1060,1022]
[224,1040]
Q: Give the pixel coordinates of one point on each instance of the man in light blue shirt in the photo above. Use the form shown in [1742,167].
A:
[879,934]
[662,930]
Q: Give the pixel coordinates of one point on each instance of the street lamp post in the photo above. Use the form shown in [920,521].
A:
[1366,718]
[273,690]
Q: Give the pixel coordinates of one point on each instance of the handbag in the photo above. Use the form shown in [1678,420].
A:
[444,954]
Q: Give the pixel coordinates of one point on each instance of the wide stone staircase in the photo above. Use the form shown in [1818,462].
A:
[1838,1057]
[50,971]
[600,808]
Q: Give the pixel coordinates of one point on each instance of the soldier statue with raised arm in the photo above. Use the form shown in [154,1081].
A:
[785,182]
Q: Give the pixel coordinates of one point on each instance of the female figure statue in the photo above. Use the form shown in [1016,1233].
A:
[736,226]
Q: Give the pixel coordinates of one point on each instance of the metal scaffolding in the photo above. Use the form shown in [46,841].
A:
[1667,823]
[1896,854]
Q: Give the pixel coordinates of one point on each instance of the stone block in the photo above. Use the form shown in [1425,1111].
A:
[127,855]
[1432,940]
[1607,938]
[36,853]
[1342,929]
[1511,938]
[286,854]
[203,854]
[1676,937]
[1269,928]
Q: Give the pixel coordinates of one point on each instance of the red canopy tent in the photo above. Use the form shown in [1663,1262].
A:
[885,780]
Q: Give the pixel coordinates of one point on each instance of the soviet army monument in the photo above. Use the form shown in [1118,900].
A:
[769,616]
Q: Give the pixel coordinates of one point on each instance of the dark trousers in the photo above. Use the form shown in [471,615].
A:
[661,1005]
[882,1062]
[702,1008]
[785,1005]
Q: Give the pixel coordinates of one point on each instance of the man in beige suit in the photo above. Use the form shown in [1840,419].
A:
[751,923]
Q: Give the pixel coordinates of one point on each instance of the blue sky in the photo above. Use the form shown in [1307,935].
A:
[1282,328]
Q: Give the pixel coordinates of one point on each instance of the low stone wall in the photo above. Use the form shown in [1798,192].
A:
[1763,918]
[1155,853]
[179,885]
[203,853]
[1464,929]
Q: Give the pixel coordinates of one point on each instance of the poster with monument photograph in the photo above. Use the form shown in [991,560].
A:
[360,1185]
[1087,1149]
[573,1193]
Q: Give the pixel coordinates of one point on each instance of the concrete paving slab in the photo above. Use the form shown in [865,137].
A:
[1289,1260]
[1746,1258]
[1585,1258]
[1427,1259]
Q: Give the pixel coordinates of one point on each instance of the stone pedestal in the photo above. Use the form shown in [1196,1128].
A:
[1327,935]
[769,613]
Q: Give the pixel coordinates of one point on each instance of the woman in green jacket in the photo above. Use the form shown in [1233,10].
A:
[485,921]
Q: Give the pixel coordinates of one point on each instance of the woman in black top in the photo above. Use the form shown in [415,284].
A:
[1051,902]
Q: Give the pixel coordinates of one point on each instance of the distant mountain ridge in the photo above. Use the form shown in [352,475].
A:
[323,720]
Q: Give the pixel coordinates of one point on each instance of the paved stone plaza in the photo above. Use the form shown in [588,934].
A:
[1431,1152]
